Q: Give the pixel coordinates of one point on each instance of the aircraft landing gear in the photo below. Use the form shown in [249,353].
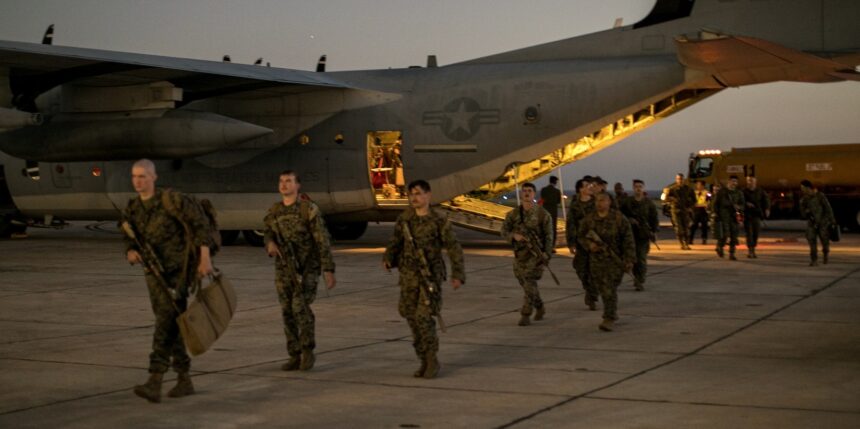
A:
[228,237]
[254,237]
[347,231]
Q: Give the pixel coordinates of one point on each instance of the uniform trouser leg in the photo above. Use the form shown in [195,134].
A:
[700,219]
[554,228]
[419,316]
[580,265]
[682,225]
[528,281]
[733,235]
[607,278]
[815,233]
[168,349]
[640,268]
[752,227]
[299,319]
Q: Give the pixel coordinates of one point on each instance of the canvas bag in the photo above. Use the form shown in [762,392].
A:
[208,314]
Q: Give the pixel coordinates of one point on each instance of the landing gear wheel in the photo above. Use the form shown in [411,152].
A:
[253,237]
[229,237]
[347,231]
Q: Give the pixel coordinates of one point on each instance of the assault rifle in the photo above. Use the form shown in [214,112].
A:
[427,287]
[531,245]
[595,237]
[150,261]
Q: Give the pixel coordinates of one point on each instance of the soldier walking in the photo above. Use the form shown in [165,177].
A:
[420,234]
[296,234]
[713,215]
[528,228]
[642,215]
[551,198]
[682,199]
[729,204]
[757,207]
[581,206]
[607,235]
[170,240]
[819,217]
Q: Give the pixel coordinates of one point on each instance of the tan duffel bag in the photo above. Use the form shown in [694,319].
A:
[208,314]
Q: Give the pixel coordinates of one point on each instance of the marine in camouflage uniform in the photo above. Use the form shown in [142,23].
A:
[642,215]
[178,251]
[682,199]
[529,228]
[581,206]
[713,216]
[610,256]
[729,201]
[819,217]
[431,234]
[757,207]
[296,233]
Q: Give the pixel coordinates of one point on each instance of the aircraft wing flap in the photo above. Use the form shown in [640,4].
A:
[37,68]
[737,61]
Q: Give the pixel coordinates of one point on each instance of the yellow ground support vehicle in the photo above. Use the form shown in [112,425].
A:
[834,169]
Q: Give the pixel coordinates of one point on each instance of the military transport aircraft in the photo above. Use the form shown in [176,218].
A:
[73,119]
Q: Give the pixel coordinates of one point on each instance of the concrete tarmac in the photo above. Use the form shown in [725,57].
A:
[710,343]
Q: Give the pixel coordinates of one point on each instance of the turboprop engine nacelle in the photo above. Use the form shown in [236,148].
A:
[171,134]
[11,119]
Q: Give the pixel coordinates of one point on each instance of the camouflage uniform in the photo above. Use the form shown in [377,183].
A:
[536,225]
[753,215]
[606,273]
[431,233]
[177,253]
[727,203]
[819,216]
[577,212]
[304,238]
[644,212]
[682,200]
[714,219]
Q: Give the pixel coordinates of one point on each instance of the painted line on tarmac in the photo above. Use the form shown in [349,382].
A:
[683,356]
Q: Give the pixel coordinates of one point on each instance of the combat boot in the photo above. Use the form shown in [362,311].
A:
[732,256]
[183,386]
[421,369]
[720,252]
[638,285]
[151,390]
[432,365]
[813,263]
[308,360]
[606,325]
[540,312]
[590,303]
[292,364]
[824,260]
[524,320]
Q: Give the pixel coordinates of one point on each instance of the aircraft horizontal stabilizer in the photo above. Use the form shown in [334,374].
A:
[738,61]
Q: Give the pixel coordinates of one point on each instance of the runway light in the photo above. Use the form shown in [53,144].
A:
[97,172]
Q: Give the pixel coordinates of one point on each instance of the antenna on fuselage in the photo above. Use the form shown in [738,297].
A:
[48,38]
[321,64]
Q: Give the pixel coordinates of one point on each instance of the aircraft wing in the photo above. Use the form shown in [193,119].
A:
[35,68]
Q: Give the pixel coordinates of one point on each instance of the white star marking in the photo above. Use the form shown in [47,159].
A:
[460,119]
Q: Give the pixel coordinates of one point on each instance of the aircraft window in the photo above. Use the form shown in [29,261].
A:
[386,165]
[531,114]
[702,168]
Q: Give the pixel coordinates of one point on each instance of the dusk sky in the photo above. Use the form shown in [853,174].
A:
[369,34]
